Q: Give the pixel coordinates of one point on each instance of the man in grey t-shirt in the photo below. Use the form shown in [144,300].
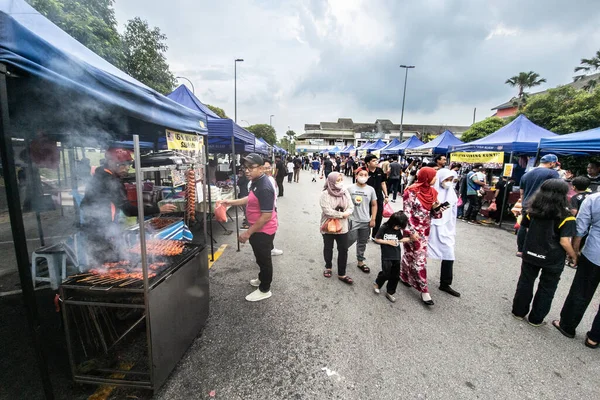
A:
[363,218]
[394,177]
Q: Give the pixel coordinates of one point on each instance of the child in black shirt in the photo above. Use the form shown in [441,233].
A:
[389,236]
[550,230]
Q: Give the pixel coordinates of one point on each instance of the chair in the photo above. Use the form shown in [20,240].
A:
[56,260]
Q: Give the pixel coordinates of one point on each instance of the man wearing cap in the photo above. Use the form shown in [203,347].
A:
[262,217]
[105,197]
[530,183]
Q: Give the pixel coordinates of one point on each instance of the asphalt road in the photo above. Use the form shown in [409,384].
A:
[319,338]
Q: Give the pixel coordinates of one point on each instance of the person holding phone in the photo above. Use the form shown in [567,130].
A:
[443,230]
[420,206]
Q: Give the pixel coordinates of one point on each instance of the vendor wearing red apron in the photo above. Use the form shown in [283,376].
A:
[105,197]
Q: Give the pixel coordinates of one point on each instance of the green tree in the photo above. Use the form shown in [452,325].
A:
[91,22]
[565,109]
[264,131]
[524,80]
[285,144]
[588,66]
[217,110]
[482,129]
[144,56]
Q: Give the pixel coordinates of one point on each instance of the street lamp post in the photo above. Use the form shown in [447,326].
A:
[183,77]
[271,120]
[235,191]
[406,67]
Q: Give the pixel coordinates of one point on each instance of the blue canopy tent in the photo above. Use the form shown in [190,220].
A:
[409,143]
[324,151]
[365,146]
[335,150]
[573,143]
[521,136]
[220,130]
[50,82]
[439,145]
[262,147]
[346,151]
[379,144]
[278,150]
[391,144]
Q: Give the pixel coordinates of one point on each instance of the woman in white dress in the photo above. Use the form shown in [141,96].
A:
[443,230]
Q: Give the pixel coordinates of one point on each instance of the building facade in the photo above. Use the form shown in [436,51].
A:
[345,132]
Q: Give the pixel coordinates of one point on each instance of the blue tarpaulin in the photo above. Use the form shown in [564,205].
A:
[379,144]
[55,72]
[521,136]
[409,143]
[347,150]
[260,146]
[391,144]
[220,130]
[439,145]
[573,143]
[365,146]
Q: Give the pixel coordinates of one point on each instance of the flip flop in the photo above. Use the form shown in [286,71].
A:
[346,279]
[327,273]
[364,268]
[556,324]
[589,344]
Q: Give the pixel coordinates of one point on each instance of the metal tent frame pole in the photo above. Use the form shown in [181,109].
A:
[19,236]
[505,196]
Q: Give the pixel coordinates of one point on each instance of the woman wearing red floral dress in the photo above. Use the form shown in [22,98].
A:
[420,205]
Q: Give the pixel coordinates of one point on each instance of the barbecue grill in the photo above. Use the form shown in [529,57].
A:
[131,330]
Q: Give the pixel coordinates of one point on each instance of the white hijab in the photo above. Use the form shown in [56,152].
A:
[446,195]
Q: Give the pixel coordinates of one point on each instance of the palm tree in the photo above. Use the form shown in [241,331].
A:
[524,80]
[587,66]
[290,134]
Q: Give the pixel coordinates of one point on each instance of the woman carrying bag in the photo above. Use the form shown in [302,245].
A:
[336,207]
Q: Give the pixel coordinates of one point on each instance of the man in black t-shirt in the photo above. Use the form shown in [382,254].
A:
[327,167]
[377,180]
[280,174]
[581,185]
[297,165]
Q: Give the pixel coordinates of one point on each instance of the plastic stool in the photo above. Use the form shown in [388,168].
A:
[56,259]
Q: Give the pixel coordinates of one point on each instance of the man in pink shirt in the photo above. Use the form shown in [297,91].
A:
[261,213]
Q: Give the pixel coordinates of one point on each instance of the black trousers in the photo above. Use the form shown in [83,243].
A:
[543,296]
[378,217]
[394,186]
[446,273]
[474,207]
[342,248]
[279,181]
[390,272]
[262,244]
[580,295]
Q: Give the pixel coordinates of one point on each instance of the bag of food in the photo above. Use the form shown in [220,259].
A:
[387,210]
[331,225]
[220,212]
[492,207]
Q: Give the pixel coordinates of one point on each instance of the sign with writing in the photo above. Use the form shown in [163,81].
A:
[184,141]
[508,170]
[489,159]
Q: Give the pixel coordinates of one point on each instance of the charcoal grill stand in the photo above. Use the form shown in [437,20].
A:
[175,307]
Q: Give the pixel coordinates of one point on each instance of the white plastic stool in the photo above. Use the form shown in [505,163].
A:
[56,259]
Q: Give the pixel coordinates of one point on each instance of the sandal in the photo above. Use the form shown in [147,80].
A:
[364,268]
[346,279]
[588,343]
[327,273]
[556,324]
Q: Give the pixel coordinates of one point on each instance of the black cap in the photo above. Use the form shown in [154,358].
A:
[254,158]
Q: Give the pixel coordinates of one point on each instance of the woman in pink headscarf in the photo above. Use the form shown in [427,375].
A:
[336,206]
[420,205]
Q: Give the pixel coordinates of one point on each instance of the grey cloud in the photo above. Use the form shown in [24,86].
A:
[448,45]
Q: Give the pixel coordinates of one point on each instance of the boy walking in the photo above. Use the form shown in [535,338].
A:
[363,217]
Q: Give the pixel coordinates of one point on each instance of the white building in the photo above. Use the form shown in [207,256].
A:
[346,132]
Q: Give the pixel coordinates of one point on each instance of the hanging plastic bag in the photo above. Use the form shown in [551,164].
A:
[332,225]
[220,212]
[388,211]
[492,207]
[460,202]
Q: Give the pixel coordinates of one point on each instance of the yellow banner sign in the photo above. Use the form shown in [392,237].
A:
[184,141]
[484,157]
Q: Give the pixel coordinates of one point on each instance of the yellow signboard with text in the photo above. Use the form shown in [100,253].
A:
[184,141]
[484,157]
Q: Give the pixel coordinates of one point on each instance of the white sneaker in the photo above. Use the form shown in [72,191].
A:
[255,282]
[257,295]
[276,252]
[390,297]
[376,288]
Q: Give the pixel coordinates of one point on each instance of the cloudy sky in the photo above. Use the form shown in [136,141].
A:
[308,61]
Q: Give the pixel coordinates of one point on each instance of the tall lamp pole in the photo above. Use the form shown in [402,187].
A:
[237,220]
[271,120]
[183,77]
[406,67]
